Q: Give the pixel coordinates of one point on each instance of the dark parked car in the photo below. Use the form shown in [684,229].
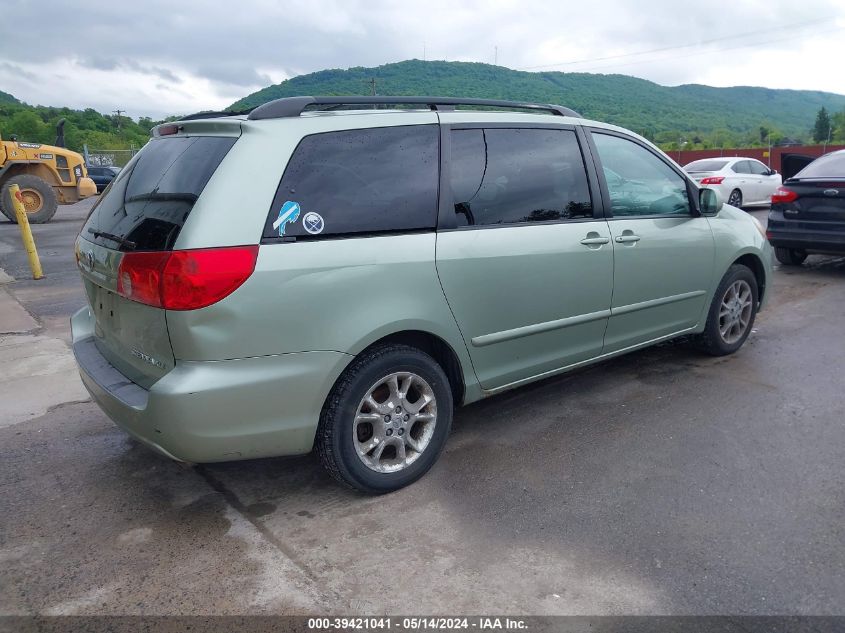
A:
[102,176]
[808,211]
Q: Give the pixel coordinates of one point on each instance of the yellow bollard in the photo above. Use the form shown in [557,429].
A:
[26,232]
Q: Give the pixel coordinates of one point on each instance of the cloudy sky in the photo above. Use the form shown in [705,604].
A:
[156,57]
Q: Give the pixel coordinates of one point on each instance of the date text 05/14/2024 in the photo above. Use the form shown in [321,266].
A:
[479,623]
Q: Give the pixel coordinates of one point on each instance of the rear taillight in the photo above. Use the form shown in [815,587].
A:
[782,194]
[712,180]
[185,280]
[139,277]
[195,279]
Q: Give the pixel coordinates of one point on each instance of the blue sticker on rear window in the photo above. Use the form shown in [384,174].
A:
[288,214]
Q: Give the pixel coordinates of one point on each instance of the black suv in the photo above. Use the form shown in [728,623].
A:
[808,211]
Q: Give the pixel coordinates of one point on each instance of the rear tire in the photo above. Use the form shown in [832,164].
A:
[41,202]
[790,256]
[731,314]
[380,447]
[735,199]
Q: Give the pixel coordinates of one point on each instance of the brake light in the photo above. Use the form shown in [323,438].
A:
[185,280]
[782,194]
[712,180]
[197,278]
[167,130]
[139,277]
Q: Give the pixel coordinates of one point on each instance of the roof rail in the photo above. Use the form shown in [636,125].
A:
[294,106]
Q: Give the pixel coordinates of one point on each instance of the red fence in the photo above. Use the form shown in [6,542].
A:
[760,153]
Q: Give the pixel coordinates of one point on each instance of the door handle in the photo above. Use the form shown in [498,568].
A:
[594,241]
[628,239]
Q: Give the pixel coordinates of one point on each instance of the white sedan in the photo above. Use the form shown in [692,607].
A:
[743,182]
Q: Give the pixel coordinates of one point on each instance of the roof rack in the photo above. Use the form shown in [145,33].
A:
[294,106]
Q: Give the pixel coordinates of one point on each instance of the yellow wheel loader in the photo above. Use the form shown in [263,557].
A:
[48,175]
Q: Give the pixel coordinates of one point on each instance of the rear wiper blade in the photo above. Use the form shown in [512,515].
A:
[129,245]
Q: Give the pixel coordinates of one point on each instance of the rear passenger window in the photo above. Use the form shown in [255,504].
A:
[359,181]
[508,176]
[742,167]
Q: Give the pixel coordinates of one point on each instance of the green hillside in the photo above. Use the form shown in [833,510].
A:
[5,97]
[713,116]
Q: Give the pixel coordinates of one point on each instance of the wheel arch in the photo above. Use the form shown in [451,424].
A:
[436,347]
[755,264]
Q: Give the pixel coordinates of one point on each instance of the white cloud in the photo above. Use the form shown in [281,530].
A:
[154,57]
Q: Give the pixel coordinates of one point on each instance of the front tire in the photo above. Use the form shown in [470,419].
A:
[40,200]
[790,256]
[732,312]
[386,420]
[735,199]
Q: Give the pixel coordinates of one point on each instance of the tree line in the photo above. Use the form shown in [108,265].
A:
[37,124]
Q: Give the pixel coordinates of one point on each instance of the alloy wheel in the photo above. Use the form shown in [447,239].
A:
[735,311]
[395,422]
[735,199]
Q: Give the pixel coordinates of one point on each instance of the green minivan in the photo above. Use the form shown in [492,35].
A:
[338,273]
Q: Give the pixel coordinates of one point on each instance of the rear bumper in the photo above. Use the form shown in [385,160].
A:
[833,242]
[209,411]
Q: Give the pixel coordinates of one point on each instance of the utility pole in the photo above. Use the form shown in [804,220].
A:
[423,50]
[495,55]
[372,83]
[118,113]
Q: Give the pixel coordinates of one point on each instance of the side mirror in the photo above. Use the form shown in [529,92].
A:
[772,172]
[709,201]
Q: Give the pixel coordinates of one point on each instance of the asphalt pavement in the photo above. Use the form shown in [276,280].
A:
[663,482]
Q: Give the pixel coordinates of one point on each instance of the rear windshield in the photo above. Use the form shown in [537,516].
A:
[147,204]
[828,166]
[705,165]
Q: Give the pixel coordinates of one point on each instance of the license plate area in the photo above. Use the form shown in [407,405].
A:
[106,317]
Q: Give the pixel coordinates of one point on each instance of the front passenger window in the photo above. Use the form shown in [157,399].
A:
[639,182]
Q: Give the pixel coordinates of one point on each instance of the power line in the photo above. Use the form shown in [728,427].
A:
[708,51]
[680,46]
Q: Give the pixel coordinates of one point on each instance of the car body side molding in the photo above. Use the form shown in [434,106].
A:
[537,328]
[653,303]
